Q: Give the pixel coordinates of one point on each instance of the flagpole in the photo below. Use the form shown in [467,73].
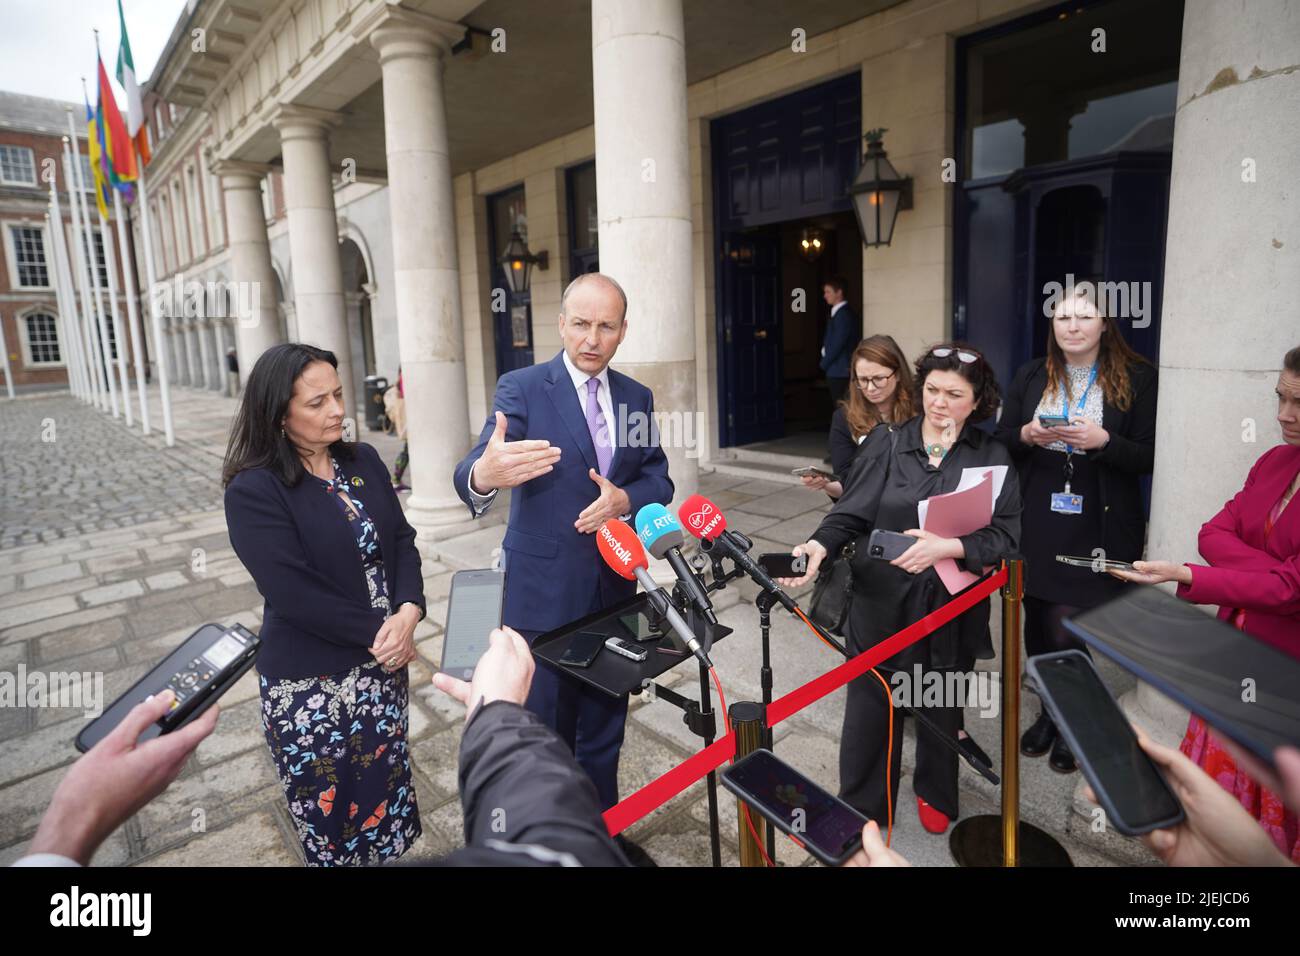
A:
[110,266]
[105,348]
[67,290]
[133,313]
[66,349]
[67,337]
[151,278]
[85,313]
[93,352]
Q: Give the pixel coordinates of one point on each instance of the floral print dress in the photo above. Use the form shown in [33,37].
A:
[339,741]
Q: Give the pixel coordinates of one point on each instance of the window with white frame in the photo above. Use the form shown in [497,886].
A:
[215,204]
[197,239]
[28,244]
[96,241]
[178,224]
[41,339]
[17,166]
[87,179]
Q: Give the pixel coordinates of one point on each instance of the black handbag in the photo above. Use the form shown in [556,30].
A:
[833,591]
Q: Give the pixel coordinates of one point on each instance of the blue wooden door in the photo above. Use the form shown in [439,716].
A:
[749,279]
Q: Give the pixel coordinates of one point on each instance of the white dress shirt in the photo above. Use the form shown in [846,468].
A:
[579,379]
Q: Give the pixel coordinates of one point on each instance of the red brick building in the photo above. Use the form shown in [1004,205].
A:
[32,129]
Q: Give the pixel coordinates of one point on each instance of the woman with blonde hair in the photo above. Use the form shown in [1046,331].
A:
[880,391]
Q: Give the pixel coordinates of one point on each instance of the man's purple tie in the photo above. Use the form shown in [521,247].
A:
[599,430]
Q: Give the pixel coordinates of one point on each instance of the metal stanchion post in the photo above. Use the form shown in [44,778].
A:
[1004,840]
[749,724]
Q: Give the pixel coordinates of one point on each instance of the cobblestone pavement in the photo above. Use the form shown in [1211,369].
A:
[114,549]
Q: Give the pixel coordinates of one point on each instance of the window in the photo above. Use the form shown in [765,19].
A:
[87,180]
[214,207]
[268,204]
[29,255]
[584,225]
[42,334]
[178,224]
[96,241]
[17,167]
[197,239]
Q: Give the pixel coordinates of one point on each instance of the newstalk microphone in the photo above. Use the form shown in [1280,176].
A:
[622,551]
[662,537]
[701,517]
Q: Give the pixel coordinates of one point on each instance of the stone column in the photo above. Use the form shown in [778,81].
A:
[1235,166]
[193,370]
[426,274]
[205,353]
[256,323]
[313,235]
[643,186]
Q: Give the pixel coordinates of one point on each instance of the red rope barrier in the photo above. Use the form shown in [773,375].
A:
[659,791]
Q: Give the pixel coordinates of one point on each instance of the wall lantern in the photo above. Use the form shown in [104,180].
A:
[517,263]
[812,244]
[878,193]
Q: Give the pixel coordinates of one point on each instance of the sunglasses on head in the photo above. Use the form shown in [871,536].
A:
[962,355]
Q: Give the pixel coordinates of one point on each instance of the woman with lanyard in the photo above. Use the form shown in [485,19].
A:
[1081,481]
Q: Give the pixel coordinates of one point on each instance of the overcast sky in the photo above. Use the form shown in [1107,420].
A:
[46,46]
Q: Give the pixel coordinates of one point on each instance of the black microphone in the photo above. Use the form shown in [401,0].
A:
[703,519]
[662,536]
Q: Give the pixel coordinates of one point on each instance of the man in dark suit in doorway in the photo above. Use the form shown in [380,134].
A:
[842,335]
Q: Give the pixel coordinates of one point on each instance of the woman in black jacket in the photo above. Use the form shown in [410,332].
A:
[1081,484]
[316,522]
[879,391]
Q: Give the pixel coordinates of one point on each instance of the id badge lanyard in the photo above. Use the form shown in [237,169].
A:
[1065,502]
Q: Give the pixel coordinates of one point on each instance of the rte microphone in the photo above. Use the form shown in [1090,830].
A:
[701,517]
[622,551]
[662,537]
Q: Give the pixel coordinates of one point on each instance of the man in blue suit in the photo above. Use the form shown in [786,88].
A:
[573,439]
[842,335]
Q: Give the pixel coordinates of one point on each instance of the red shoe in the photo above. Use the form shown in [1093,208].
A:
[931,819]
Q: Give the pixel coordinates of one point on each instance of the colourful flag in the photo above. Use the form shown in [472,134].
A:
[116,142]
[134,105]
[96,162]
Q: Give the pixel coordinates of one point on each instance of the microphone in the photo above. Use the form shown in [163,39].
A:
[701,517]
[622,551]
[662,536]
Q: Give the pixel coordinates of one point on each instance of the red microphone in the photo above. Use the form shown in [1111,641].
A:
[621,548]
[702,518]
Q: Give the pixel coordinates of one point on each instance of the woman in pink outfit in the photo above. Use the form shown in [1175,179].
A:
[1252,550]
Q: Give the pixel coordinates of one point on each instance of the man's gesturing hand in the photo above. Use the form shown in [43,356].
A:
[507,464]
[612,503]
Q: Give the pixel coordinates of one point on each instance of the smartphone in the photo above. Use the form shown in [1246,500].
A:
[638,627]
[781,565]
[821,823]
[1100,565]
[582,650]
[887,545]
[1127,783]
[814,470]
[473,611]
[1053,421]
[205,666]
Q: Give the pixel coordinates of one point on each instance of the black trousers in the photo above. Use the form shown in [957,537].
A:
[865,752]
[1044,632]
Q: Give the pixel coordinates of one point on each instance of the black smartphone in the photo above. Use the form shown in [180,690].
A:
[638,627]
[582,650]
[1127,783]
[781,565]
[821,823]
[473,611]
[1053,421]
[887,545]
[205,666]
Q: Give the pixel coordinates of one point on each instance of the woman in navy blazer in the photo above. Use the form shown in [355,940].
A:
[316,522]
